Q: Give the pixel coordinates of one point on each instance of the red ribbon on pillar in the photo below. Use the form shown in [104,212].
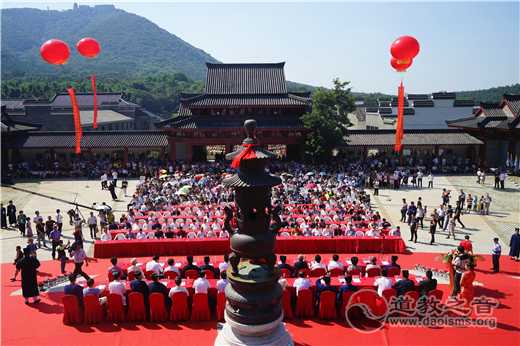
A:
[399,131]
[246,154]
[77,119]
[93,83]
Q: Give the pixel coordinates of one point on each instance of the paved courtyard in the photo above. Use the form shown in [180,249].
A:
[505,210]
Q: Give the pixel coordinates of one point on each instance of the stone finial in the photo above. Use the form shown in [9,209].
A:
[250,127]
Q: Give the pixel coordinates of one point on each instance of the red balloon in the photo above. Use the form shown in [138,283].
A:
[55,52]
[404,48]
[401,65]
[88,47]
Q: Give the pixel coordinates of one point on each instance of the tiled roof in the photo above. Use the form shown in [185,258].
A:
[230,121]
[443,95]
[480,122]
[423,103]
[411,138]
[492,110]
[226,79]
[13,103]
[86,99]
[463,103]
[414,97]
[205,101]
[138,139]
[104,116]
[513,101]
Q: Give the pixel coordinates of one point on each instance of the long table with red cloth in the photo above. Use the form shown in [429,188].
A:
[284,245]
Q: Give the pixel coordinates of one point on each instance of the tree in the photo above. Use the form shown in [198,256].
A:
[328,120]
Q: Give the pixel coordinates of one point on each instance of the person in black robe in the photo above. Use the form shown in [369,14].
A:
[3,218]
[112,189]
[514,245]
[28,267]
[11,213]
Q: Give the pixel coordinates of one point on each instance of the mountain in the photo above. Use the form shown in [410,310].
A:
[491,94]
[131,45]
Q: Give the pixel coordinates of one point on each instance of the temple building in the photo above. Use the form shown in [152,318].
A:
[498,126]
[209,124]
[426,133]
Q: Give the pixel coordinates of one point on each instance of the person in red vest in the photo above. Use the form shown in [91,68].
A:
[466,244]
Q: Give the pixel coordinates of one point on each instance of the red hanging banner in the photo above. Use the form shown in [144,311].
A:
[246,154]
[399,131]
[77,118]
[93,83]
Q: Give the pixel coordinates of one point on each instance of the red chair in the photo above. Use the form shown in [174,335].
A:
[93,310]
[286,273]
[327,307]
[171,275]
[71,310]
[304,304]
[200,307]
[148,274]
[209,274]
[191,274]
[345,298]
[373,272]
[136,308]
[131,276]
[221,305]
[413,295]
[389,293]
[306,272]
[179,310]
[354,272]
[393,271]
[286,304]
[116,312]
[436,293]
[317,272]
[336,272]
[157,308]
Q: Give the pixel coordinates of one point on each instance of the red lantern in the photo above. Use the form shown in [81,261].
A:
[88,47]
[400,65]
[405,48]
[55,52]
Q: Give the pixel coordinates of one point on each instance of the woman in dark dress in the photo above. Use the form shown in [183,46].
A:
[3,219]
[28,266]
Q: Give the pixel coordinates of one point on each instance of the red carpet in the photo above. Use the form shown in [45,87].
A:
[42,324]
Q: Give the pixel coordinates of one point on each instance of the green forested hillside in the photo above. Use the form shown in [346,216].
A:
[131,45]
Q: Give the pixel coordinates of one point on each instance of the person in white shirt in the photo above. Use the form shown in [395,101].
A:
[224,234]
[335,263]
[92,225]
[59,220]
[178,287]
[154,265]
[372,264]
[396,232]
[117,287]
[171,267]
[223,266]
[301,282]
[140,234]
[373,232]
[382,283]
[104,179]
[134,267]
[222,283]
[317,263]
[105,235]
[201,285]
[120,236]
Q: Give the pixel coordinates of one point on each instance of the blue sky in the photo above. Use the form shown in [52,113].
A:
[464,45]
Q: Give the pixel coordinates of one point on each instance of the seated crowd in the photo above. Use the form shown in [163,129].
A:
[149,278]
